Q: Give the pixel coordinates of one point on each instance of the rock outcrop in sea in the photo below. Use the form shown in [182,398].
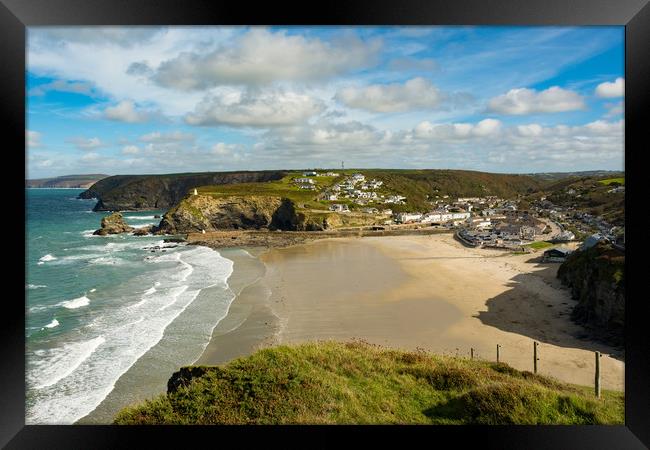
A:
[113,224]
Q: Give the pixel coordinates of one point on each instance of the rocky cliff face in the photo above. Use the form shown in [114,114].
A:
[113,224]
[138,192]
[596,277]
[204,212]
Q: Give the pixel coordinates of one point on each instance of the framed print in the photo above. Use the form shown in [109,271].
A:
[408,216]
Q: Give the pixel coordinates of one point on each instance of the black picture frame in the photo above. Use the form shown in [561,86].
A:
[16,15]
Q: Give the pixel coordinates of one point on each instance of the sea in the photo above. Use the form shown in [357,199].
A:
[96,305]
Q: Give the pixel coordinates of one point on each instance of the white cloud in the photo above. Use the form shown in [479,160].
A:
[75,87]
[90,157]
[611,90]
[111,36]
[125,111]
[174,136]
[256,109]
[414,94]
[614,109]
[130,150]
[86,143]
[484,128]
[529,101]
[261,56]
[532,129]
[33,138]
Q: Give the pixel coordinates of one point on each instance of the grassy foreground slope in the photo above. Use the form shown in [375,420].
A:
[357,383]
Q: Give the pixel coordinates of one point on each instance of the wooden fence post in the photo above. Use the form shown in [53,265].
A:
[535,358]
[597,381]
[498,353]
[471,352]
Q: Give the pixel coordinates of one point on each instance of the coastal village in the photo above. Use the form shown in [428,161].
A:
[483,222]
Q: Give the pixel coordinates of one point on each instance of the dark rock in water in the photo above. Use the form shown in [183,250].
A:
[143,231]
[157,216]
[113,224]
[173,240]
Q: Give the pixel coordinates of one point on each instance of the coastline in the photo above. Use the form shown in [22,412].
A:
[409,292]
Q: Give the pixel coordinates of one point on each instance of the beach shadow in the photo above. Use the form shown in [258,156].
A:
[542,313]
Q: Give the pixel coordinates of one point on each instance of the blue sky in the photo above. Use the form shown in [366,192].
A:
[127,100]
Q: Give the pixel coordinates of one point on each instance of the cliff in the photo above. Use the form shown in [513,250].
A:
[140,192]
[596,277]
[251,212]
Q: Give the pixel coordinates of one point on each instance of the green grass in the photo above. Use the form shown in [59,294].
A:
[284,188]
[609,181]
[357,383]
[538,245]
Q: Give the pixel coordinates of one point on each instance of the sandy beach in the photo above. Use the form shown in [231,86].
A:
[410,292]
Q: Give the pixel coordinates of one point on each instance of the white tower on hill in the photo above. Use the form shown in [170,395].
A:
[194,192]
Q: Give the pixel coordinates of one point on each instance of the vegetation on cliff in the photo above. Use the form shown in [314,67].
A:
[133,192]
[596,277]
[357,383]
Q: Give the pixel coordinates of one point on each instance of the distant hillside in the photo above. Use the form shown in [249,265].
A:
[67,181]
[356,383]
[550,176]
[132,192]
[594,194]
[421,186]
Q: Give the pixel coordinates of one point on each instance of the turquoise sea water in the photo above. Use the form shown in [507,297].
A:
[94,305]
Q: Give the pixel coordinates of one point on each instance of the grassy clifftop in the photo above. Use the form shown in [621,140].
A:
[356,383]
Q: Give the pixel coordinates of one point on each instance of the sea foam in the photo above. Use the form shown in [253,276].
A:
[76,303]
[54,323]
[182,274]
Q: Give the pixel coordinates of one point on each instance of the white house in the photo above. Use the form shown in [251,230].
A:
[339,208]
[304,180]
[409,217]
[309,173]
[332,197]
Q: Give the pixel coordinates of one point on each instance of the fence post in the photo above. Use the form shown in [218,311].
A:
[498,353]
[471,352]
[597,381]
[535,358]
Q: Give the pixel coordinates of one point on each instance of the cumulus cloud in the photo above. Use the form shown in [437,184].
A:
[174,136]
[485,145]
[113,36]
[414,94]
[611,90]
[529,101]
[130,150]
[33,138]
[126,111]
[75,87]
[261,56]
[484,128]
[86,143]
[255,109]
